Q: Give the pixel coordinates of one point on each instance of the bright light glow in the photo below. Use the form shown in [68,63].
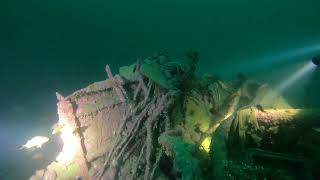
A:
[36,142]
[298,75]
[254,63]
[70,145]
[205,144]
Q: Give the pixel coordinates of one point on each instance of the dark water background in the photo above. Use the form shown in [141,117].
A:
[49,46]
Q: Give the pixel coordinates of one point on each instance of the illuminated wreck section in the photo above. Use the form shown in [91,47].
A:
[67,127]
[70,145]
[157,120]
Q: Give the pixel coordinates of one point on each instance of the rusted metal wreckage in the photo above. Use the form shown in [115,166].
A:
[154,119]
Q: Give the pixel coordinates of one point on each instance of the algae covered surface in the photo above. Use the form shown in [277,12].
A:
[158,120]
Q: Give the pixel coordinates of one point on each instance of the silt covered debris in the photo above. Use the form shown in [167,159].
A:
[157,120]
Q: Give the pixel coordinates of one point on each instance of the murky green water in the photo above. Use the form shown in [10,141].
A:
[49,46]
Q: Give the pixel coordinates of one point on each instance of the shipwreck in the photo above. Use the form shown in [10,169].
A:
[157,119]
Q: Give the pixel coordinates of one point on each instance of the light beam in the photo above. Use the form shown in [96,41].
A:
[308,68]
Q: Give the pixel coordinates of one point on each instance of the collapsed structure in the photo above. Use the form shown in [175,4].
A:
[157,120]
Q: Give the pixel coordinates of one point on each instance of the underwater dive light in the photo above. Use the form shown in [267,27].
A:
[316,60]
